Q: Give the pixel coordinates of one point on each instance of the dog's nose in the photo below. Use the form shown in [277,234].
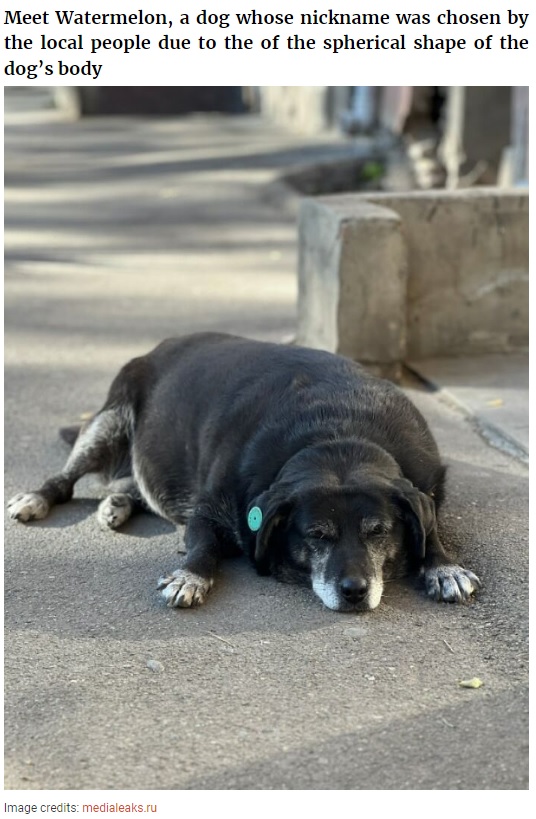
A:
[354,589]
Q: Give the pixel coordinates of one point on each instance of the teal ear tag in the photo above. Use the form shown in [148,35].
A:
[255,518]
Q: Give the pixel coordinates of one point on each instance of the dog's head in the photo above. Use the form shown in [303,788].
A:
[343,540]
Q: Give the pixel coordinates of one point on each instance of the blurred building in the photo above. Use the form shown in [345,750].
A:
[453,136]
[82,101]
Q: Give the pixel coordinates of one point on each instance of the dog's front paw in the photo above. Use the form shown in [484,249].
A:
[114,511]
[450,583]
[184,589]
[28,506]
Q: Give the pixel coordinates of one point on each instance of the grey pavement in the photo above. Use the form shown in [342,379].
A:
[120,232]
[491,390]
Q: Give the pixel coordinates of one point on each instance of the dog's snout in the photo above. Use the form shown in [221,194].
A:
[354,589]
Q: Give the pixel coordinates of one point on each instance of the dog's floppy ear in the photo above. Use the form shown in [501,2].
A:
[271,509]
[418,512]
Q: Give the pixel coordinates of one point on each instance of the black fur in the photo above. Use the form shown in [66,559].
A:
[342,465]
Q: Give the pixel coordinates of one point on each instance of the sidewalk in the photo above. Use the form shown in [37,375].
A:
[120,232]
[492,391]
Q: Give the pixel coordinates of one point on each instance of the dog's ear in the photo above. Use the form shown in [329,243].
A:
[274,505]
[418,512]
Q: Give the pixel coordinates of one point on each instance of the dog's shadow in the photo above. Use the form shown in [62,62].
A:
[78,510]
[64,516]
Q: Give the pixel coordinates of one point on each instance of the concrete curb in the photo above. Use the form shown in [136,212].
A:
[352,280]
[466,254]
[337,170]
[494,434]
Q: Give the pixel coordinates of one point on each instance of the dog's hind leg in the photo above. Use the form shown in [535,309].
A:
[101,444]
[118,506]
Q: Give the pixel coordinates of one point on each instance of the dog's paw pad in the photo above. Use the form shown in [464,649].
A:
[450,583]
[184,589]
[28,506]
[114,511]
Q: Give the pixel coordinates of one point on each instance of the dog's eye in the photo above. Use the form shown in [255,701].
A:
[316,536]
[319,533]
[375,529]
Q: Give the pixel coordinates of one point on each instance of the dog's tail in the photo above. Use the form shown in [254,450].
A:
[70,434]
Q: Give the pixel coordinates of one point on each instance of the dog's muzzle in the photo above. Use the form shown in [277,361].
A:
[349,594]
[353,590]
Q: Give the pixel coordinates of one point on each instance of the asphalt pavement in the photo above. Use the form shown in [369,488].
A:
[120,232]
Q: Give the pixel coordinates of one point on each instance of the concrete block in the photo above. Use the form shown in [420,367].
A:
[468,263]
[352,279]
[421,274]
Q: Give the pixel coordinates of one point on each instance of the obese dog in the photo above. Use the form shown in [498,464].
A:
[320,472]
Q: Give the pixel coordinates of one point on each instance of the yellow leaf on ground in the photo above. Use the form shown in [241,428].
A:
[474,683]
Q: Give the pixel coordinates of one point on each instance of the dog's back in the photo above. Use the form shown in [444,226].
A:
[231,395]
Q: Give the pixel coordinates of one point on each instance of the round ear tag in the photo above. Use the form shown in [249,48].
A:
[254,518]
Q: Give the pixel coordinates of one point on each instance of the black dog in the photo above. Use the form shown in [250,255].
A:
[318,471]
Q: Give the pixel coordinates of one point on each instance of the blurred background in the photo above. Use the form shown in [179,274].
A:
[453,136]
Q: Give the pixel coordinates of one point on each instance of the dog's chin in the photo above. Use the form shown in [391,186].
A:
[329,595]
[351,608]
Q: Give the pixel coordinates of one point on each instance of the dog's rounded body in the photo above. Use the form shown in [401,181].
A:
[341,468]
